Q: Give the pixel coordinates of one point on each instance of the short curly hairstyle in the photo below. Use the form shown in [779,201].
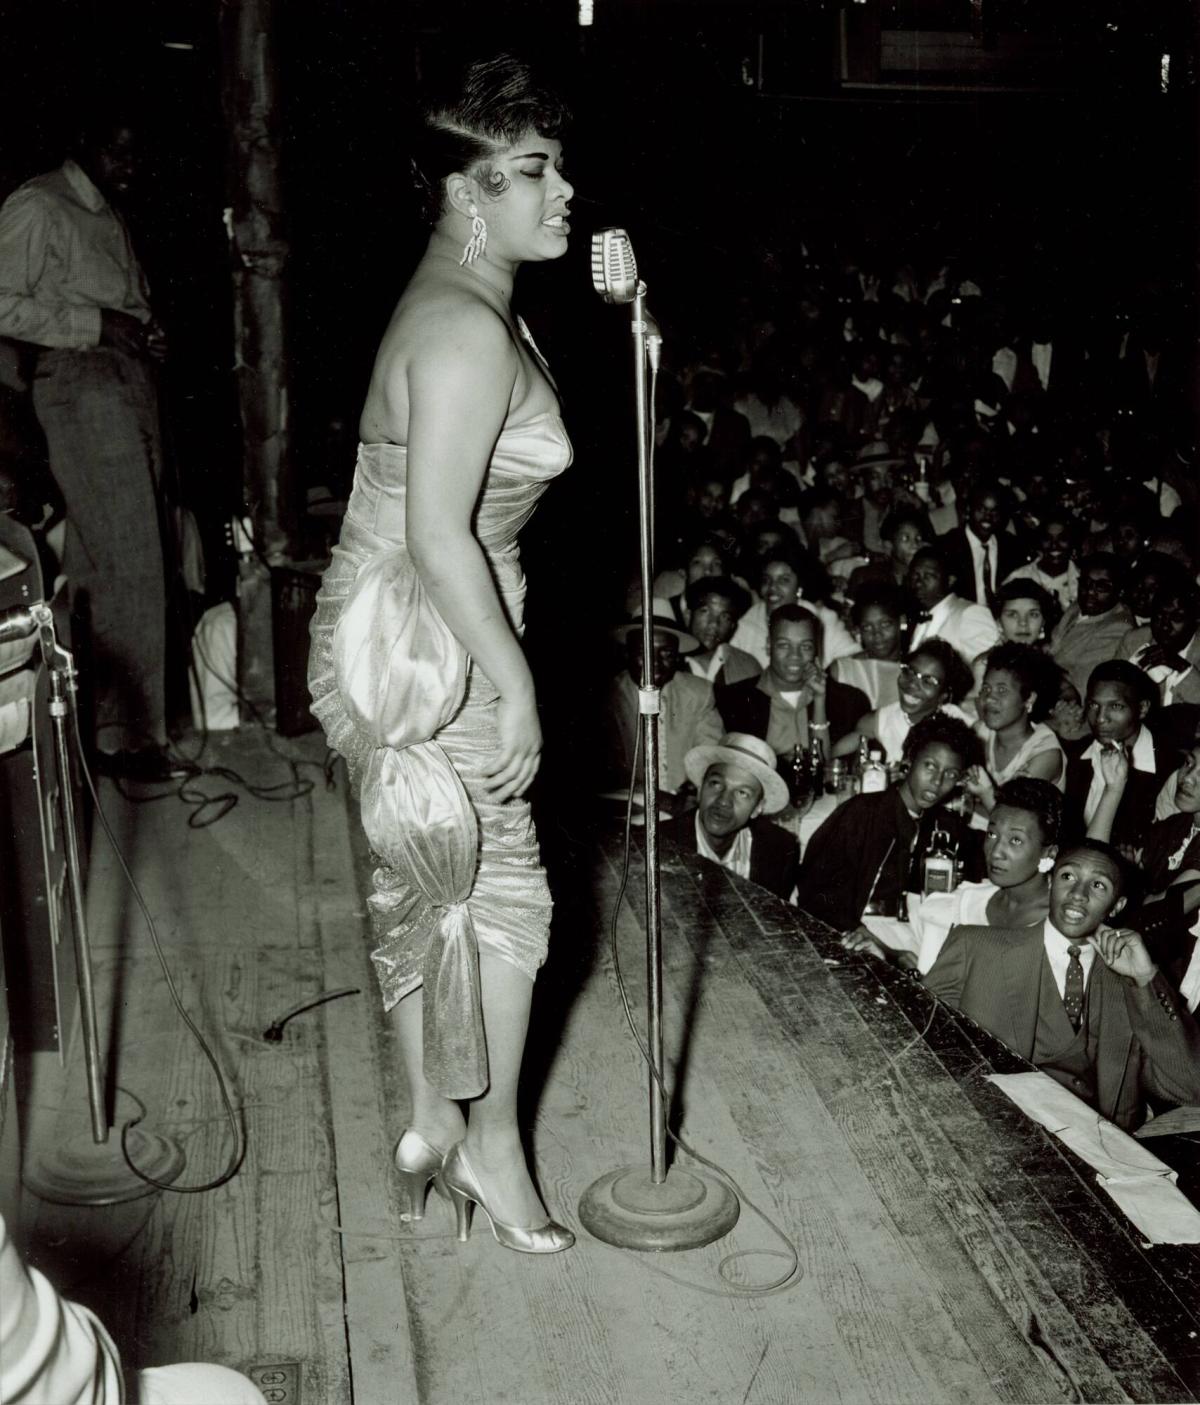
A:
[1022,588]
[891,599]
[1038,798]
[939,728]
[959,678]
[1035,672]
[493,103]
[726,586]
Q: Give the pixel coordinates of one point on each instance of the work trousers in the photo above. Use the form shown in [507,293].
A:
[99,412]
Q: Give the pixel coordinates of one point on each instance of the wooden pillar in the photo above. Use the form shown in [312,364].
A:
[258,248]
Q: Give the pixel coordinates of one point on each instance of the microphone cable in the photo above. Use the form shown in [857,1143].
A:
[790,1253]
[235,1117]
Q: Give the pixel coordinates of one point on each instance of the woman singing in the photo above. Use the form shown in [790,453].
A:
[417,671]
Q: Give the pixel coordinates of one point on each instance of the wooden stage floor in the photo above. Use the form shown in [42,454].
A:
[949,1252]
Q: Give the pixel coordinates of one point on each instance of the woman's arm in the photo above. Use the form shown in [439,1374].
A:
[459,389]
[1045,766]
[866,726]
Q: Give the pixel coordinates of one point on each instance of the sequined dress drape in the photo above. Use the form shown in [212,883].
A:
[416,723]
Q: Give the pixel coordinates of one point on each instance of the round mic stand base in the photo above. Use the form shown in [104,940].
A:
[80,1171]
[686,1211]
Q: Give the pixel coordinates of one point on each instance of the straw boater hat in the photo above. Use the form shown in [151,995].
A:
[664,620]
[752,754]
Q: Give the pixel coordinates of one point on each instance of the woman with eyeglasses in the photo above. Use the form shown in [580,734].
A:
[1018,693]
[934,677]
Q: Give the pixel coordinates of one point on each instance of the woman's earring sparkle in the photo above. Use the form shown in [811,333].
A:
[478,240]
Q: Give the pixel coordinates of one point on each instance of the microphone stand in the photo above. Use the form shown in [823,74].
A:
[76,1169]
[628,1207]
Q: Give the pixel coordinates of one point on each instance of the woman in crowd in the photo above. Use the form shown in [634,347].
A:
[879,618]
[1025,612]
[867,853]
[1018,691]
[787,576]
[933,678]
[417,672]
[708,555]
[1018,854]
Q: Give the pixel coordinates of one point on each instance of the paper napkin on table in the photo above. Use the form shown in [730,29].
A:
[1132,1176]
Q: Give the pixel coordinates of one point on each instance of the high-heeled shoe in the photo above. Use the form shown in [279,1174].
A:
[418,1163]
[461,1182]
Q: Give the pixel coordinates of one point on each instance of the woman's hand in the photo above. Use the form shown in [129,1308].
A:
[520,751]
[979,785]
[1114,768]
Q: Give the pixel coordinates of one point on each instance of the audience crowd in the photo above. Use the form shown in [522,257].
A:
[928,546]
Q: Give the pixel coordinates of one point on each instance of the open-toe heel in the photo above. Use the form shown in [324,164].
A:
[462,1184]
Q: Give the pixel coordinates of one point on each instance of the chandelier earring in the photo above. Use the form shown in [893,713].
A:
[478,240]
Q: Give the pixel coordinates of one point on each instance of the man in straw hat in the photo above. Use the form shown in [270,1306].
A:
[738,786]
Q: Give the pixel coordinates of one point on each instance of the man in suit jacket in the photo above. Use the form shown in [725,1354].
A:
[1120,711]
[738,786]
[1081,1000]
[688,715]
[982,553]
[943,613]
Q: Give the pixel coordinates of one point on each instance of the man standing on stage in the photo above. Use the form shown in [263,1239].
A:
[72,289]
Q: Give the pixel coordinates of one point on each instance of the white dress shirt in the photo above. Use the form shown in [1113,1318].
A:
[1167,678]
[1141,758]
[709,670]
[1059,956]
[984,556]
[969,628]
[737,857]
[1064,588]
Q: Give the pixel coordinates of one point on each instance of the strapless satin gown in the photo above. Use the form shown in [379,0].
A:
[415,720]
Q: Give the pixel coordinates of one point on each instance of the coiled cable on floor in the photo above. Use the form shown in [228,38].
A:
[790,1253]
[235,1119]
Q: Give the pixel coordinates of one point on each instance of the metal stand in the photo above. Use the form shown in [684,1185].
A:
[77,1171]
[632,1207]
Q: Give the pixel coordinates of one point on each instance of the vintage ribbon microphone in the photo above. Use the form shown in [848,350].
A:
[633,1207]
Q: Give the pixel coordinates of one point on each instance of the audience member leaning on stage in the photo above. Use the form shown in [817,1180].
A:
[1018,854]
[688,715]
[1083,1001]
[868,852]
[793,702]
[738,786]
[55,1352]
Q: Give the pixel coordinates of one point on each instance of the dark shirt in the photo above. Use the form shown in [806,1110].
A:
[871,848]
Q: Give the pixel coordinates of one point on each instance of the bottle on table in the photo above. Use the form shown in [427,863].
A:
[816,766]
[939,863]
[872,771]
